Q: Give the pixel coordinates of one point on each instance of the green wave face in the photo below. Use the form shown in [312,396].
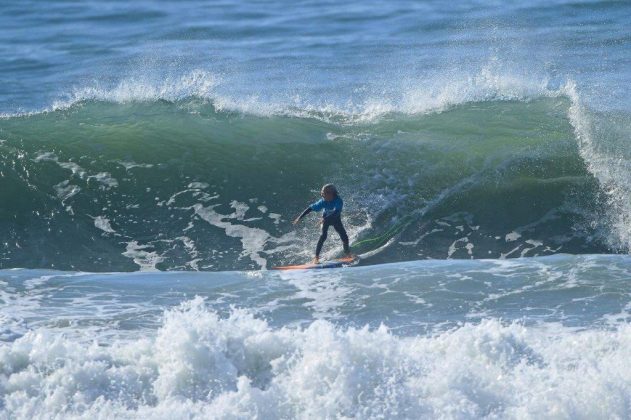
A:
[104,186]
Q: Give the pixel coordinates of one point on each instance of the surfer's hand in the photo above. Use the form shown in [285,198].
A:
[296,220]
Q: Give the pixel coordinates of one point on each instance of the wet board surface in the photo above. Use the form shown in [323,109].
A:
[336,263]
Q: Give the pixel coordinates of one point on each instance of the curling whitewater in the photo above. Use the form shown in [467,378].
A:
[521,338]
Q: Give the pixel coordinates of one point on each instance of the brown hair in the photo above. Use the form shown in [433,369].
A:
[329,188]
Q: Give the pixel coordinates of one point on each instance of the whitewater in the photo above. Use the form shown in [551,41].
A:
[152,157]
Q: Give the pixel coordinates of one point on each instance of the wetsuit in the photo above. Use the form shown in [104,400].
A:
[331,216]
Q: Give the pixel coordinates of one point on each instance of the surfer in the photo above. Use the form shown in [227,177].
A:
[331,204]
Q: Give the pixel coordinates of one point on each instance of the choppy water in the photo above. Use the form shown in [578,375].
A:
[482,153]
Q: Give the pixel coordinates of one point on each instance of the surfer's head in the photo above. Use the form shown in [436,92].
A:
[329,192]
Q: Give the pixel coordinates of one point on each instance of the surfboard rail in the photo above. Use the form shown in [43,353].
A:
[336,263]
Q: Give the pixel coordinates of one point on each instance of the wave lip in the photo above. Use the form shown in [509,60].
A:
[195,84]
[436,93]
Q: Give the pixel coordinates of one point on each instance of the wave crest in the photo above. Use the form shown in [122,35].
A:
[434,93]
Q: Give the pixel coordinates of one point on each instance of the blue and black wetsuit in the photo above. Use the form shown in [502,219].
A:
[331,216]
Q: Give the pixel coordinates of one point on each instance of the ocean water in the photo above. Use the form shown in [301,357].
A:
[153,155]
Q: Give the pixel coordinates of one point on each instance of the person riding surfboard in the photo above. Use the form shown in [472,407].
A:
[331,205]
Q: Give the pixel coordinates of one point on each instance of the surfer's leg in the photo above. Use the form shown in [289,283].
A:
[325,228]
[339,227]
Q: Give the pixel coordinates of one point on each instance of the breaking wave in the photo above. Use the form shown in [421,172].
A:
[170,174]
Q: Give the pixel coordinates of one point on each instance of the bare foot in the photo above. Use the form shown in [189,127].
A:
[316,260]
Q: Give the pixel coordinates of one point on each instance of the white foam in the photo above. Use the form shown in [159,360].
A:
[65,190]
[199,365]
[454,247]
[103,223]
[428,93]
[131,164]
[512,236]
[610,169]
[197,83]
[191,250]
[325,294]
[198,185]
[252,239]
[105,179]
[491,82]
[71,166]
[146,260]
[275,217]
[194,187]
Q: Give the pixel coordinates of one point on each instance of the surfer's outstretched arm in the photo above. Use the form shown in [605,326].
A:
[317,206]
[303,214]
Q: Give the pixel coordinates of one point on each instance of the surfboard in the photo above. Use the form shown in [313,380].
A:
[336,263]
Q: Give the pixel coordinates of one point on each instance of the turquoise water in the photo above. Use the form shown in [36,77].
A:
[152,157]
